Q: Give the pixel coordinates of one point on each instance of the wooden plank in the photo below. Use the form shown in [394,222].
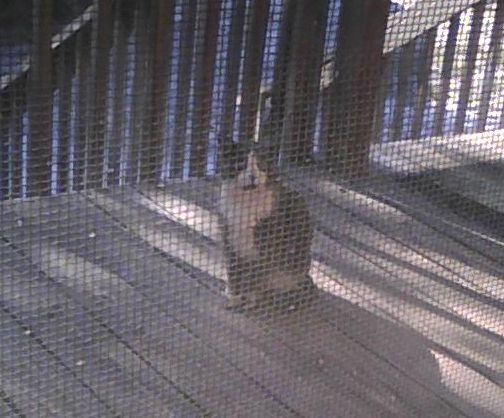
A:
[492,361]
[70,30]
[467,239]
[423,75]
[404,87]
[419,18]
[303,81]
[272,130]
[496,54]
[204,325]
[185,46]
[255,39]
[33,377]
[100,49]
[83,62]
[160,200]
[16,132]
[475,185]
[142,84]
[64,75]
[446,74]
[438,153]
[163,43]
[167,237]
[5,120]
[359,64]
[386,82]
[471,56]
[150,326]
[81,340]
[122,30]
[203,87]
[40,106]
[344,281]
[233,58]
[221,331]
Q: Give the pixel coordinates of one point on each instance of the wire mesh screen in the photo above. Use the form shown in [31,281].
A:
[251,208]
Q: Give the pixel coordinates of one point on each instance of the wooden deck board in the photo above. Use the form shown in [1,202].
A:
[151,317]
[322,329]
[69,329]
[278,379]
[35,381]
[418,275]
[137,320]
[161,199]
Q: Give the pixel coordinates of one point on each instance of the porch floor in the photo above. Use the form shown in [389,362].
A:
[111,306]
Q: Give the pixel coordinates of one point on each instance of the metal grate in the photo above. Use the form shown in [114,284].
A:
[251,208]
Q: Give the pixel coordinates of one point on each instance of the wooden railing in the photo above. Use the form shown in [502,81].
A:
[442,82]
[143,90]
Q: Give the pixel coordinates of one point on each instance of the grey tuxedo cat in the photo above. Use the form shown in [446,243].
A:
[267,231]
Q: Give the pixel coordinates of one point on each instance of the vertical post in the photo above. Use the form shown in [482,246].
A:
[4,146]
[359,65]
[303,80]
[64,83]
[184,83]
[163,39]
[496,54]
[273,125]
[141,89]
[423,75]
[122,29]
[40,101]
[82,107]
[252,66]
[403,87]
[234,48]
[102,36]
[470,62]
[15,158]
[205,70]
[446,73]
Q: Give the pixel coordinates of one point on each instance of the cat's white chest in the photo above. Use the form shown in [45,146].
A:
[242,211]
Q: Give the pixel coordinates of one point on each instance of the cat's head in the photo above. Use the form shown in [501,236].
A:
[249,164]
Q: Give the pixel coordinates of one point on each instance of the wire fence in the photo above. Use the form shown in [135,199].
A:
[251,208]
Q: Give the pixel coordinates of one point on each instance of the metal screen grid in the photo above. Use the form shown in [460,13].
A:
[251,208]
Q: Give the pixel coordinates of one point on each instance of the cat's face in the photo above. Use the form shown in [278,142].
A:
[249,164]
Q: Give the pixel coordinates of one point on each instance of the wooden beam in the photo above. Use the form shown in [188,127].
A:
[423,74]
[72,29]
[65,73]
[141,106]
[82,64]
[204,78]
[406,69]
[273,125]
[5,118]
[415,156]
[423,15]
[303,81]
[101,44]
[233,48]
[186,44]
[152,157]
[446,74]
[496,55]
[40,103]
[252,66]
[122,29]
[359,67]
